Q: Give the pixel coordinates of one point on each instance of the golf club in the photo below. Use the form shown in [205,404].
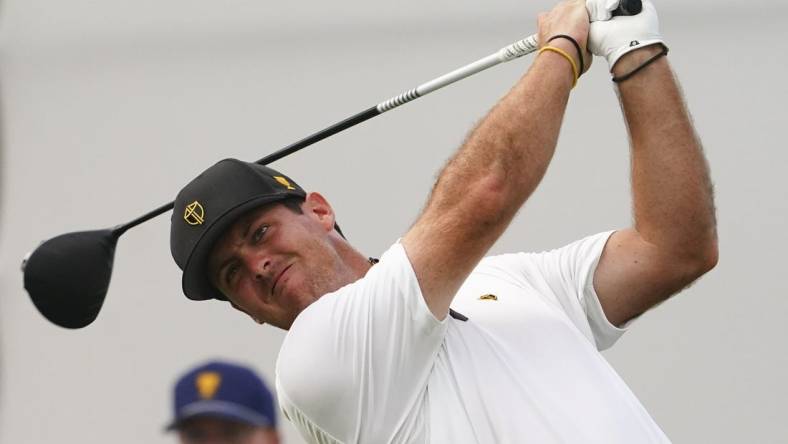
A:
[67,277]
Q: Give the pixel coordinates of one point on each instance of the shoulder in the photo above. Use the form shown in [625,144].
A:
[331,332]
[588,246]
[343,342]
[314,374]
[567,263]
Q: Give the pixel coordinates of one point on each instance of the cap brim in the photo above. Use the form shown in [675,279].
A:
[195,282]
[222,410]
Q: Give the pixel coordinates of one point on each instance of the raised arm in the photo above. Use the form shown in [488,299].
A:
[674,240]
[484,184]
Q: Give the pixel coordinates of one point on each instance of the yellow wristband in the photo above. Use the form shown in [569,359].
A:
[566,56]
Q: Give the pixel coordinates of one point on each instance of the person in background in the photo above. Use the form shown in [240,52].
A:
[219,402]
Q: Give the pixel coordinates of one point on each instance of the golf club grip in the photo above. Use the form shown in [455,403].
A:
[505,54]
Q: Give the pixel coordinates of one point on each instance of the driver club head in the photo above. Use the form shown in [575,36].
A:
[67,277]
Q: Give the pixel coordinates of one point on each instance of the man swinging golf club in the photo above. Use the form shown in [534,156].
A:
[436,343]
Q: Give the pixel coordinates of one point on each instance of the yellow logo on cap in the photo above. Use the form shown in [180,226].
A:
[284,182]
[208,383]
[488,297]
[194,214]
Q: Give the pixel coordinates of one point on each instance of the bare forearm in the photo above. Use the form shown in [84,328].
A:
[482,187]
[673,199]
[511,148]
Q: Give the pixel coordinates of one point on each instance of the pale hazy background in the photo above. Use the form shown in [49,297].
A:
[110,106]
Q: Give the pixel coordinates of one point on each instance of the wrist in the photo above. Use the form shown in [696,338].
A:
[633,59]
[567,46]
[559,63]
[562,46]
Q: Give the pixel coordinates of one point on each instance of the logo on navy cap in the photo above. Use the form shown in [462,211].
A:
[207,384]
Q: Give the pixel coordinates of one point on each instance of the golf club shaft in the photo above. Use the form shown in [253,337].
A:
[513,51]
[505,54]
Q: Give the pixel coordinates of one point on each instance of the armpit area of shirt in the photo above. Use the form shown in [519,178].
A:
[605,332]
[421,308]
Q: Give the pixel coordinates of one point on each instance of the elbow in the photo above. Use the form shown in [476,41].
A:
[707,254]
[483,207]
[491,199]
[702,260]
[711,256]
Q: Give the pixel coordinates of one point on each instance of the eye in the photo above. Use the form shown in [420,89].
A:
[258,233]
[232,270]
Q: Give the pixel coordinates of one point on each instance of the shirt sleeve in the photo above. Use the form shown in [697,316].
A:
[565,276]
[357,361]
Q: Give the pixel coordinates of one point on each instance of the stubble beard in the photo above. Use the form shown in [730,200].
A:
[323,278]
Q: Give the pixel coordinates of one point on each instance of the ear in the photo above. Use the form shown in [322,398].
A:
[316,206]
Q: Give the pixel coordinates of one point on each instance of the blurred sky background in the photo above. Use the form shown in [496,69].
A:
[109,107]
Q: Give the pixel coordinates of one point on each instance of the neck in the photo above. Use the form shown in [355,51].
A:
[357,263]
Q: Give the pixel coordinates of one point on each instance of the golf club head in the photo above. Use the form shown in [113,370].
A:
[67,277]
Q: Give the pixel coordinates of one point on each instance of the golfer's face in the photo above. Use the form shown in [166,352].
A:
[273,262]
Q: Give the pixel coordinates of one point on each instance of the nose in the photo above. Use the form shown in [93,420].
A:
[259,266]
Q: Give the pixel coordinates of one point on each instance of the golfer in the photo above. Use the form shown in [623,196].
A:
[435,342]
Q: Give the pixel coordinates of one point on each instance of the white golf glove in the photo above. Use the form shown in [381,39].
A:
[612,37]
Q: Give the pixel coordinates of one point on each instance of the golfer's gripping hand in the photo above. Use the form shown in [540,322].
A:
[567,18]
[613,37]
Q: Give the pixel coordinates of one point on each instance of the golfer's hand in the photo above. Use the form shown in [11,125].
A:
[613,37]
[568,18]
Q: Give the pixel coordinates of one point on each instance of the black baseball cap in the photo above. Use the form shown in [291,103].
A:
[208,205]
[225,390]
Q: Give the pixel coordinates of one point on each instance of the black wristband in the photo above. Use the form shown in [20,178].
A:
[653,59]
[577,47]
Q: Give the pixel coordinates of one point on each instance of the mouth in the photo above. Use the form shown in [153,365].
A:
[279,278]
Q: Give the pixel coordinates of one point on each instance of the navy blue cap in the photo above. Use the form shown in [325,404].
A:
[223,390]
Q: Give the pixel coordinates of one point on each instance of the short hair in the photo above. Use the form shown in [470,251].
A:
[294,203]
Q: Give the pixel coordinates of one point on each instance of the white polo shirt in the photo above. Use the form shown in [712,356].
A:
[369,363]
